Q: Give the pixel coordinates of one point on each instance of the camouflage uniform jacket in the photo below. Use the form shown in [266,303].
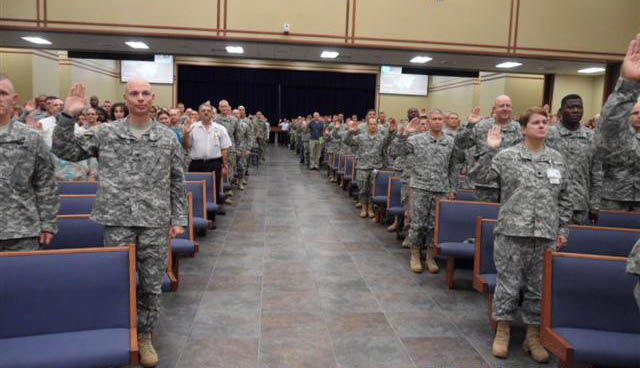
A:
[256,132]
[141,181]
[245,135]
[29,191]
[619,144]
[474,136]
[585,171]
[332,143]
[534,198]
[434,167]
[230,123]
[341,134]
[265,129]
[369,149]
[633,263]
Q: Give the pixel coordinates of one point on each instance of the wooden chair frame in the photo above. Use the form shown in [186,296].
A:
[133,312]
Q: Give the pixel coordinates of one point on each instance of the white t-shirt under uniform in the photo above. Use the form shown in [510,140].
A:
[207,145]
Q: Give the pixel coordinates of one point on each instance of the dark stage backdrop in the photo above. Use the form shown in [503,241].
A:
[277,93]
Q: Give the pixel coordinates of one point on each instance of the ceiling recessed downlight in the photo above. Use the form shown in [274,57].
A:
[137,44]
[591,70]
[329,54]
[421,59]
[235,49]
[508,64]
[37,40]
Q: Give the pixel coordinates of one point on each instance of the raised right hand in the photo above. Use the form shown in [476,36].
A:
[494,137]
[75,102]
[353,126]
[631,64]
[413,126]
[475,115]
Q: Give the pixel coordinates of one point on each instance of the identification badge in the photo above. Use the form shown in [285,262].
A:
[554,176]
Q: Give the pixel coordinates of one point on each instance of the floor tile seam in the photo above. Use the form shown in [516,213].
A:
[224,241]
[395,332]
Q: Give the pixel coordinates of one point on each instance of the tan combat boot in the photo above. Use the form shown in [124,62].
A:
[358,204]
[432,266]
[532,344]
[148,355]
[370,211]
[405,242]
[229,193]
[363,210]
[228,201]
[394,227]
[501,341]
[245,182]
[416,263]
[241,186]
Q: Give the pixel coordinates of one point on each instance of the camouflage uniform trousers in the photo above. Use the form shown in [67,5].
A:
[19,244]
[423,217]
[305,152]
[262,149]
[485,194]
[243,164]
[233,166]
[609,204]
[519,262]
[364,178]
[152,252]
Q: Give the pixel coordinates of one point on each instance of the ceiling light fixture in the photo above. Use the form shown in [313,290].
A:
[329,54]
[137,44]
[37,40]
[421,59]
[591,70]
[235,49]
[508,64]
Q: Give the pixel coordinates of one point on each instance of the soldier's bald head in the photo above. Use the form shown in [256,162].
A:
[4,79]
[137,83]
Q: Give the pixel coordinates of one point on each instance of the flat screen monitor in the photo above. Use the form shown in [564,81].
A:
[158,71]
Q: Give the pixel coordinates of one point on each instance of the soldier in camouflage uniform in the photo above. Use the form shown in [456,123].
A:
[227,120]
[264,128]
[619,149]
[245,133]
[576,143]
[534,216]
[369,155]
[433,177]
[141,197]
[29,191]
[474,135]
[306,137]
[616,138]
[332,146]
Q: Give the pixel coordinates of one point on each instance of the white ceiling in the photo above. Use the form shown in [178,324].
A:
[289,52]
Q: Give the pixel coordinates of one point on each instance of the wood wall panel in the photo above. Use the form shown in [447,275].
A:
[460,22]
[326,17]
[584,26]
[183,13]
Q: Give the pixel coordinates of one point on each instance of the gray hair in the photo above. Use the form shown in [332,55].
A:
[434,111]
[206,105]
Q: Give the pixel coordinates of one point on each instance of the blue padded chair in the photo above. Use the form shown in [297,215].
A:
[210,183]
[605,241]
[626,219]
[394,201]
[380,191]
[200,222]
[466,195]
[77,231]
[76,204]
[484,268]
[341,162]
[590,317]
[68,308]
[77,187]
[347,177]
[185,245]
[455,223]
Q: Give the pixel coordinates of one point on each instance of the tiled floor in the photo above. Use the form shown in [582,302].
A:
[292,277]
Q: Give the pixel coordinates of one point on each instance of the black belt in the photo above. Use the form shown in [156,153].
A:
[207,160]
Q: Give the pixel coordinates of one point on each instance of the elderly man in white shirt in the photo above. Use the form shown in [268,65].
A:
[208,143]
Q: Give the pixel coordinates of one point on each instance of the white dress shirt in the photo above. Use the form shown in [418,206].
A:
[207,145]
